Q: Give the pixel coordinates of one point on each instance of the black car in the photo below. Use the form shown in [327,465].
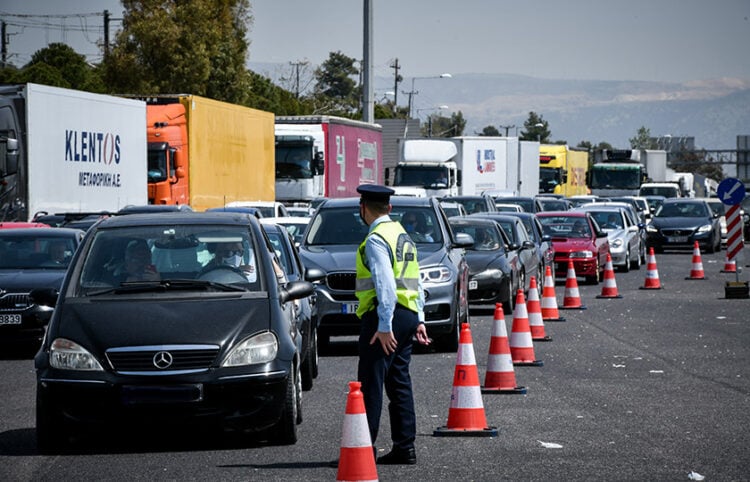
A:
[198,343]
[307,316]
[529,204]
[330,244]
[31,258]
[474,204]
[679,222]
[543,241]
[494,269]
[521,242]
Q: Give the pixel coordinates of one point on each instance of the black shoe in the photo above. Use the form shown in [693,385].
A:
[399,457]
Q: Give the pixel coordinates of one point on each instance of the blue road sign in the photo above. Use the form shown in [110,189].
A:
[731,191]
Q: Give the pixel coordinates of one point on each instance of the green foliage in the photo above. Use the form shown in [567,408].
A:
[536,128]
[452,126]
[698,162]
[336,91]
[642,139]
[490,131]
[171,46]
[57,65]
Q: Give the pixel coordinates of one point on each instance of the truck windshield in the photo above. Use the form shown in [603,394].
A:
[293,162]
[157,165]
[420,176]
[548,179]
[617,178]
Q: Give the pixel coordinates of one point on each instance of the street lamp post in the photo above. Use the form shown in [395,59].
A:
[539,125]
[413,92]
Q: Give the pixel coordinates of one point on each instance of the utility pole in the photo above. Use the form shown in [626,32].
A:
[368,106]
[4,44]
[106,33]
[395,67]
[296,66]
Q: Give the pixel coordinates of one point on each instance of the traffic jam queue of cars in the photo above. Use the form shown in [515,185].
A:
[219,317]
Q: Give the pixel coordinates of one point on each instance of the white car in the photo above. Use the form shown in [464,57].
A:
[295,225]
[625,241]
[269,209]
[718,208]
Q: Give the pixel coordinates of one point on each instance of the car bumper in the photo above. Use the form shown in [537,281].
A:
[659,240]
[243,402]
[582,266]
[484,290]
[25,325]
[618,255]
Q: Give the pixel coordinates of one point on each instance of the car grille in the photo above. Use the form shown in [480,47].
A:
[677,232]
[341,281]
[135,359]
[15,301]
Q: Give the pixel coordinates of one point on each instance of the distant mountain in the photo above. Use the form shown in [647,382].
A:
[714,111]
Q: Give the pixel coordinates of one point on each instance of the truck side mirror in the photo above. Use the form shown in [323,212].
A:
[319,163]
[564,176]
[458,178]
[11,155]
[387,176]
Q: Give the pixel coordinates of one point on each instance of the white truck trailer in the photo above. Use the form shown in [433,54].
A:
[67,151]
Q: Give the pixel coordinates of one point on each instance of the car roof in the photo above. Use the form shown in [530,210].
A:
[176,218]
[154,208]
[472,220]
[571,213]
[286,220]
[41,232]
[395,201]
[683,200]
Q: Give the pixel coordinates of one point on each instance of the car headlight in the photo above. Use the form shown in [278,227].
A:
[261,348]
[581,254]
[69,355]
[705,228]
[652,229]
[435,274]
[489,274]
[616,243]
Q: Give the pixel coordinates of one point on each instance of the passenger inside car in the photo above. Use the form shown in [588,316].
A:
[231,255]
[137,264]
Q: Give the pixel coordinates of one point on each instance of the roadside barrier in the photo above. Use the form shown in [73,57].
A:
[549,298]
[572,298]
[609,288]
[500,377]
[534,309]
[356,458]
[696,270]
[466,414]
[521,344]
[652,273]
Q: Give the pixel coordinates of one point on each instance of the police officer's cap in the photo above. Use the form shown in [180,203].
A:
[375,192]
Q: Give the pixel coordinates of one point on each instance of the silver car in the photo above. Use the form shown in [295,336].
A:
[625,242]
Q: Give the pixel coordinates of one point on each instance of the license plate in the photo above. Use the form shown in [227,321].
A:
[10,319]
[135,394]
[472,285]
[677,239]
[349,308]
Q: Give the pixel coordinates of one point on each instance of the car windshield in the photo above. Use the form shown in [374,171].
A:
[681,210]
[607,219]
[565,226]
[158,255]
[31,252]
[485,238]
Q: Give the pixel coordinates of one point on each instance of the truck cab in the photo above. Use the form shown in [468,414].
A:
[427,167]
[167,154]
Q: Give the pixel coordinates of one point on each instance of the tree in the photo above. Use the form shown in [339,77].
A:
[642,139]
[490,131]
[336,88]
[536,128]
[173,46]
[452,126]
[56,65]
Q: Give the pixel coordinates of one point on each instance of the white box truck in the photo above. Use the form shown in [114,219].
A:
[467,166]
[68,151]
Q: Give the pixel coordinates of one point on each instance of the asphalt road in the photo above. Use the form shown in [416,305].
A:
[652,386]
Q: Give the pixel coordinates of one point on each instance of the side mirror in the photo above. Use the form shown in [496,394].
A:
[295,290]
[11,155]
[463,240]
[314,274]
[601,234]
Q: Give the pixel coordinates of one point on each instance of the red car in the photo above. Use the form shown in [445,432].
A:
[576,237]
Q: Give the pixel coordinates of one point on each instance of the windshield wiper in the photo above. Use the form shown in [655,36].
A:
[165,285]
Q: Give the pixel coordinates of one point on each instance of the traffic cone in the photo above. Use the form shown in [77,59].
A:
[549,298]
[534,309]
[356,458]
[466,414]
[696,271]
[729,266]
[521,344]
[609,288]
[500,377]
[572,298]
[652,274]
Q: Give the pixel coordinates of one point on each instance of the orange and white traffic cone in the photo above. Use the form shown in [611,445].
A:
[534,309]
[549,298]
[500,377]
[609,288]
[521,343]
[466,414]
[730,266]
[696,270]
[652,273]
[356,458]
[572,298]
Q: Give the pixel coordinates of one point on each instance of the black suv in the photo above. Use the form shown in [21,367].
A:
[330,244]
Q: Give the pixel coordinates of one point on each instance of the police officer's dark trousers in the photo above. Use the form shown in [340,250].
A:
[376,370]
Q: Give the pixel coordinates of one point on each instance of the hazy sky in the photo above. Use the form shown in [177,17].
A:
[664,40]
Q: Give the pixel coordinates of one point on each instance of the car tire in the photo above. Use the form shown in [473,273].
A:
[509,305]
[449,341]
[51,429]
[309,364]
[284,432]
[626,266]
[594,279]
[636,264]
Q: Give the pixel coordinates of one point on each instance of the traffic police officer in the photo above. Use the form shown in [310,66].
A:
[391,304]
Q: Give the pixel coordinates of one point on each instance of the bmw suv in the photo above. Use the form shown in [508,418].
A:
[331,242]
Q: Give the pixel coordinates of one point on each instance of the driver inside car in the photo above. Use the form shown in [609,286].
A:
[231,255]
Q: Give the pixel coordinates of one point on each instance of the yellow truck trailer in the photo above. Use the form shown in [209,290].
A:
[562,170]
[206,153]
